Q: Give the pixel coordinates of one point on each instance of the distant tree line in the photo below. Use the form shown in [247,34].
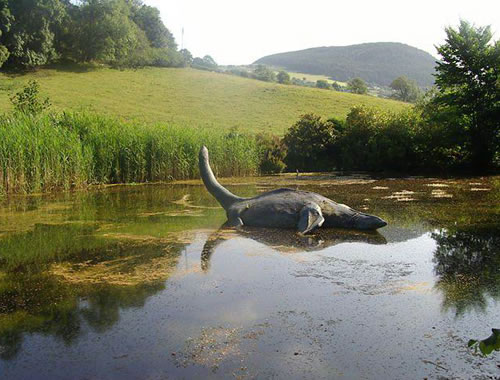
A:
[117,32]
[455,126]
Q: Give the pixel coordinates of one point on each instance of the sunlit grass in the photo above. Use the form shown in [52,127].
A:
[187,97]
[314,78]
[74,149]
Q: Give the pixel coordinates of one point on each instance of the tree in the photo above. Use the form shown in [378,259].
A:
[29,34]
[205,63]
[321,83]
[187,57]
[264,73]
[310,142]
[357,86]
[148,19]
[405,89]
[336,86]
[283,77]
[105,32]
[467,78]
[5,24]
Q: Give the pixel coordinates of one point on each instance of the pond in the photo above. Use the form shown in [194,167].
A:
[141,282]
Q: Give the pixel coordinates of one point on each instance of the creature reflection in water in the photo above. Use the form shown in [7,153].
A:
[468,266]
[287,240]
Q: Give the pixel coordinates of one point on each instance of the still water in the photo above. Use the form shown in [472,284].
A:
[140,282]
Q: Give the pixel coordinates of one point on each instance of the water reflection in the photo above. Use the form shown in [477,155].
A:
[71,264]
[86,290]
[467,263]
[288,240]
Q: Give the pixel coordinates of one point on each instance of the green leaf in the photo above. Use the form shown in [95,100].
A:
[471,342]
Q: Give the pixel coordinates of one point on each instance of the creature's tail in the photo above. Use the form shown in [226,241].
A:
[223,195]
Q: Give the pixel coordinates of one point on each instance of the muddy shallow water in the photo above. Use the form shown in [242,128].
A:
[140,282]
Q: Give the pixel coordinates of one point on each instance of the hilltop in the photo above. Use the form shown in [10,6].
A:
[379,63]
[186,97]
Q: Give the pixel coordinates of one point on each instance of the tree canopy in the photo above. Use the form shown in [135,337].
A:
[467,78]
[357,86]
[405,89]
[117,32]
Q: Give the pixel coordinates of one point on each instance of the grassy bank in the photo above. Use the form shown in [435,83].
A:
[186,97]
[40,153]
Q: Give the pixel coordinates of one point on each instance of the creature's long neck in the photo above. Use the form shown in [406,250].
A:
[223,196]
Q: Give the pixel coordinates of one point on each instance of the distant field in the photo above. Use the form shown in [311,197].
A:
[314,78]
[187,97]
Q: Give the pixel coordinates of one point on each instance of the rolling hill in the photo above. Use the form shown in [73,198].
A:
[379,63]
[186,97]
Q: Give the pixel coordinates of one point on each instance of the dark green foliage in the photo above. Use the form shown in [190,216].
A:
[5,24]
[30,39]
[357,86]
[103,31]
[205,63]
[374,140]
[468,82]
[405,89]
[264,73]
[28,100]
[310,143]
[148,19]
[336,86]
[376,62]
[321,83]
[283,77]
[123,33]
[488,345]
[273,153]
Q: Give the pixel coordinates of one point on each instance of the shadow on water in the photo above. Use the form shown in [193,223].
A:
[467,263]
[287,241]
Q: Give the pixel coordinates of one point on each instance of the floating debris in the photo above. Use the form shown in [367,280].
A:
[437,185]
[380,188]
[480,189]
[401,196]
[441,194]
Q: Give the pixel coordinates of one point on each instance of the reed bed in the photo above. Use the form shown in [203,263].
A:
[50,151]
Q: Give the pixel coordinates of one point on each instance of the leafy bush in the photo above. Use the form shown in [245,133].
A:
[264,73]
[310,143]
[28,99]
[272,153]
[283,77]
[321,83]
[357,86]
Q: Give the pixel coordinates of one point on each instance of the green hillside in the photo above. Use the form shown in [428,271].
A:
[379,63]
[186,97]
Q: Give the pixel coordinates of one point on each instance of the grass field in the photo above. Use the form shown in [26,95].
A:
[186,97]
[314,78]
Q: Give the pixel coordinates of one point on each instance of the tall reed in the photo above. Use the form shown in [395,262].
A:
[39,153]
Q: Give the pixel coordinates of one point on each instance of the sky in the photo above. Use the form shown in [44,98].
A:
[240,32]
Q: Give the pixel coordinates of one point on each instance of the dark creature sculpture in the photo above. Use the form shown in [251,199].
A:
[284,208]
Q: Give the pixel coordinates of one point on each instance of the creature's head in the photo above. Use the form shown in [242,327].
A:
[343,216]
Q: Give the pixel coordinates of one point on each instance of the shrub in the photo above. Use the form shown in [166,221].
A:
[310,143]
[28,99]
[272,153]
[321,83]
